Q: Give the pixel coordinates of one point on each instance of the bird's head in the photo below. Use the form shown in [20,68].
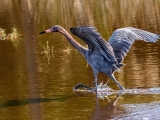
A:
[55,28]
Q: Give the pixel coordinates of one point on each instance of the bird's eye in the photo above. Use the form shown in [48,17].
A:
[71,29]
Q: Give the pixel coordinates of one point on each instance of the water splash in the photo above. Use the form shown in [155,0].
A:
[104,91]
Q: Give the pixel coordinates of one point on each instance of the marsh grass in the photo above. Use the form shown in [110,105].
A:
[68,50]
[2,34]
[14,36]
[47,51]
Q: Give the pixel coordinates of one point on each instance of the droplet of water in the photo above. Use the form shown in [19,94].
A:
[145,118]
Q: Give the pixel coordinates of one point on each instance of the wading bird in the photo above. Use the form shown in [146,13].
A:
[103,56]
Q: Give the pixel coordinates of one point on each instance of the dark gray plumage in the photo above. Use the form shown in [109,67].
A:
[103,56]
[122,40]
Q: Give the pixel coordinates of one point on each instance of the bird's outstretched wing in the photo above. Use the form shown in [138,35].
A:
[90,36]
[122,40]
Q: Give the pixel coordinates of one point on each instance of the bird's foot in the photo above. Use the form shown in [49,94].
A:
[83,86]
[122,88]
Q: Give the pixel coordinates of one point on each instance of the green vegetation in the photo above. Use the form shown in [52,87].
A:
[14,36]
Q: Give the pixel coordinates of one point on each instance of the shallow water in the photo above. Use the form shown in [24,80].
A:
[33,87]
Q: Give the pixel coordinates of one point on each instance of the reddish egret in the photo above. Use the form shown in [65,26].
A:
[103,56]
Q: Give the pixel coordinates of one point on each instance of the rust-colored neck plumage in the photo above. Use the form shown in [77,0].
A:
[71,40]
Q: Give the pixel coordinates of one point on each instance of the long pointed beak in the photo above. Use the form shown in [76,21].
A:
[42,32]
[46,31]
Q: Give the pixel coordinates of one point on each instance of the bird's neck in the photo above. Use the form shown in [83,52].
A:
[71,40]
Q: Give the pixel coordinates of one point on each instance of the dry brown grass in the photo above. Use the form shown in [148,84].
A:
[14,36]
[47,51]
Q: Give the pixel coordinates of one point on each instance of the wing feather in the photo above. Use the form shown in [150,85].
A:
[90,35]
[122,40]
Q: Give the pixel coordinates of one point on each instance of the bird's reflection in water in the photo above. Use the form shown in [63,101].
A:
[104,112]
[106,109]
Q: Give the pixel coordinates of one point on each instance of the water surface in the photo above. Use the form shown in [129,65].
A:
[33,88]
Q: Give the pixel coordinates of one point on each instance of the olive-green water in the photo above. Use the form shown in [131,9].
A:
[36,87]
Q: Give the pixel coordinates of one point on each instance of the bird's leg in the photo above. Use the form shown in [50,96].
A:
[95,72]
[111,76]
[83,86]
[95,82]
